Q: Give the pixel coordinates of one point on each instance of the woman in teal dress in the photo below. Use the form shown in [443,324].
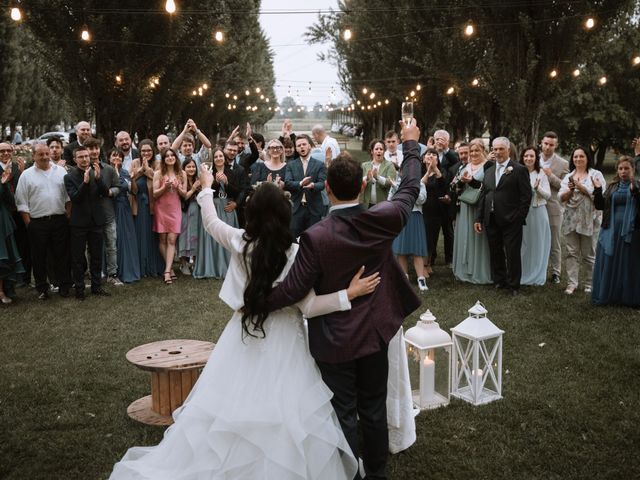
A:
[212,259]
[471,262]
[616,273]
[536,233]
[11,268]
[151,263]
[126,243]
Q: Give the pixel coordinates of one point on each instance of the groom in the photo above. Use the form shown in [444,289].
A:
[350,347]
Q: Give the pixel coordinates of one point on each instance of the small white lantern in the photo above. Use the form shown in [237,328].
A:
[430,347]
[476,370]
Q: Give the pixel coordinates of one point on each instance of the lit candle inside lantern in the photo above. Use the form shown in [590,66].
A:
[477,382]
[427,381]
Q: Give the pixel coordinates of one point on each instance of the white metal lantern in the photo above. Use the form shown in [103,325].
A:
[430,347]
[476,370]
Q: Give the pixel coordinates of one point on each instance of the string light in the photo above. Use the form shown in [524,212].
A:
[85,35]
[16,14]
[418,87]
[365,91]
[602,80]
[211,105]
[475,82]
[247,92]
[554,73]
[451,91]
[576,72]
[372,96]
[218,36]
[347,34]
[118,79]
[205,86]
[469,30]
[386,101]
[412,93]
[170,7]
[636,61]
[590,23]
[235,97]
[194,93]
[258,89]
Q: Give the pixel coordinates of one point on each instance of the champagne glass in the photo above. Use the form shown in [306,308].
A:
[407,112]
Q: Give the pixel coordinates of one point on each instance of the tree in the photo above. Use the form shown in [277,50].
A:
[514,47]
[140,74]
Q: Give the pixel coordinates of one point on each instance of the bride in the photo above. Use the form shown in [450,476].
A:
[260,409]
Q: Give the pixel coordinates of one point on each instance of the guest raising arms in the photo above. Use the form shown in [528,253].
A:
[169,185]
[188,240]
[580,221]
[616,278]
[536,233]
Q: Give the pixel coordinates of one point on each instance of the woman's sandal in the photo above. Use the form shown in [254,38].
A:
[173,275]
[167,281]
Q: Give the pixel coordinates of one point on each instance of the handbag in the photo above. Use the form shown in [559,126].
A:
[471,195]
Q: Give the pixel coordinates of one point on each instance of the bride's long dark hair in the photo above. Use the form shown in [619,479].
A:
[268,237]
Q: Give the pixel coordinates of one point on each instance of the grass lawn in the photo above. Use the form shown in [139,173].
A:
[570,407]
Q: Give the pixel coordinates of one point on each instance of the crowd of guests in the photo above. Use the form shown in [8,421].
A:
[131,212]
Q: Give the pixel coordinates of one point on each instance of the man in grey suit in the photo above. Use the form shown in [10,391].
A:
[556,168]
[304,177]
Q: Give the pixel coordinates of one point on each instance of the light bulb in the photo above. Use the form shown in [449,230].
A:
[636,60]
[590,23]
[450,91]
[475,82]
[602,80]
[85,35]
[468,30]
[347,34]
[170,6]
[16,14]
[576,72]
[553,74]
[219,36]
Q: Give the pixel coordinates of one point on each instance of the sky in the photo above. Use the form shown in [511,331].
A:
[295,62]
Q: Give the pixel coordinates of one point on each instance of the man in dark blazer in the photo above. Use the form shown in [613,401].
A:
[83,133]
[350,347]
[304,177]
[447,158]
[238,182]
[502,210]
[85,188]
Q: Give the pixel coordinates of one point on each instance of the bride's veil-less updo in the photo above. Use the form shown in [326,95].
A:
[268,237]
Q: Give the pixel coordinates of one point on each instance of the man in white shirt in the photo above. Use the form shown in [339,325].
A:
[392,152]
[328,144]
[43,203]
[555,167]
[123,142]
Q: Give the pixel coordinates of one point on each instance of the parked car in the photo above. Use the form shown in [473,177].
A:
[62,135]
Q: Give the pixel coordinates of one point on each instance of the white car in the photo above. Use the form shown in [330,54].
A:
[64,136]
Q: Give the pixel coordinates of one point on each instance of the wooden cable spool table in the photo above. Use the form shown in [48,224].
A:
[175,366]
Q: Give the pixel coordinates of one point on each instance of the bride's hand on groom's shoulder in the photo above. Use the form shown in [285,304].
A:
[360,286]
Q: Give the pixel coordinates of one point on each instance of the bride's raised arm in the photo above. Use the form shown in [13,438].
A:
[315,305]
[226,235]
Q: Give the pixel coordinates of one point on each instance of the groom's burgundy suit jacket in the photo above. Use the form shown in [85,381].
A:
[331,252]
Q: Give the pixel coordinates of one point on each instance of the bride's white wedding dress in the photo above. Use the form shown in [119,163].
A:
[259,409]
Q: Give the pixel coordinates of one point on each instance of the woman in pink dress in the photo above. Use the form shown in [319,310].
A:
[169,184]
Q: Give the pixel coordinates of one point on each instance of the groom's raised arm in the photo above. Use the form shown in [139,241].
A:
[300,279]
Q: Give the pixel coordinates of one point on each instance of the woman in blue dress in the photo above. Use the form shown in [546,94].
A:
[188,240]
[412,240]
[126,243]
[616,274]
[141,171]
[11,268]
[536,233]
[471,261]
[212,259]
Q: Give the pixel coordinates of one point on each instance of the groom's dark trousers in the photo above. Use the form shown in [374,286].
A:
[350,347]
